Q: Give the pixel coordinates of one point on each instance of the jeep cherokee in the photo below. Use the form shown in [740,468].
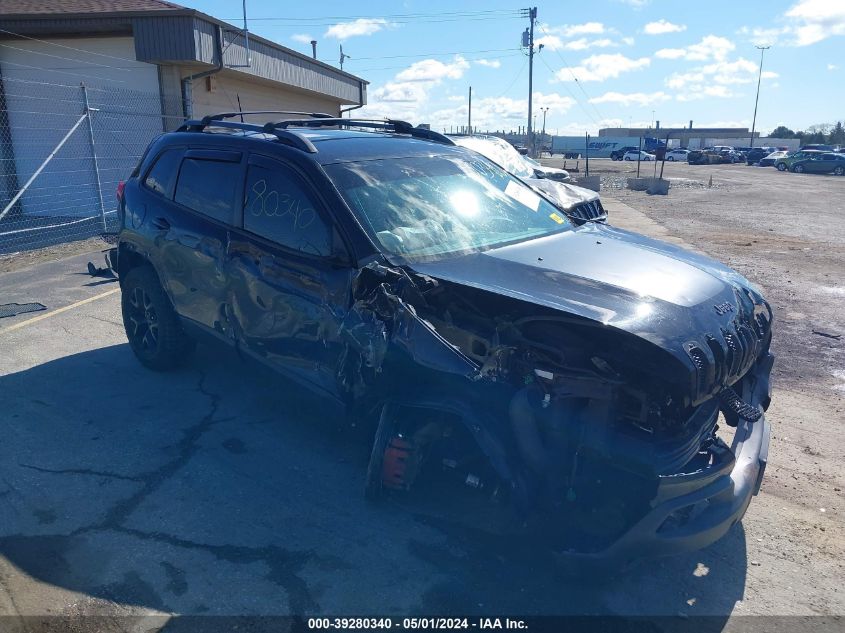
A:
[572,374]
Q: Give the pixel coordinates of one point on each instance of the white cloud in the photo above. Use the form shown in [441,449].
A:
[628,41]
[401,92]
[303,38]
[807,22]
[662,26]
[361,26]
[571,30]
[832,67]
[671,53]
[601,67]
[713,80]
[637,4]
[633,98]
[408,93]
[433,70]
[496,113]
[816,20]
[701,92]
[711,47]
[490,63]
[554,43]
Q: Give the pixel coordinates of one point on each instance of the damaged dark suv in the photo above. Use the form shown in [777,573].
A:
[560,371]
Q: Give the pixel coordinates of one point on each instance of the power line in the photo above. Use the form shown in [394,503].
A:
[515,78]
[489,50]
[491,13]
[574,76]
[571,94]
[468,59]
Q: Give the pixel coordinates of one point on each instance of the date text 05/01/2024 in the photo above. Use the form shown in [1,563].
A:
[427,623]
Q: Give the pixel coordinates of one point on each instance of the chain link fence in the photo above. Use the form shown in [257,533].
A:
[63,151]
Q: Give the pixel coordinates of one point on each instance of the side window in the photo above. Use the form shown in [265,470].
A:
[209,186]
[162,177]
[278,207]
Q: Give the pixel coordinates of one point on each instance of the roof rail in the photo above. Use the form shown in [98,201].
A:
[231,115]
[400,127]
[285,136]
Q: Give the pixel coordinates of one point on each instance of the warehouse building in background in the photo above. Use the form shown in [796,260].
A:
[133,68]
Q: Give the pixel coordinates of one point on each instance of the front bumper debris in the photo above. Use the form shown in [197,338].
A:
[692,510]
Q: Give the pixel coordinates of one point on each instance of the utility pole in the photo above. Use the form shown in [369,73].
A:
[528,40]
[469,113]
[762,49]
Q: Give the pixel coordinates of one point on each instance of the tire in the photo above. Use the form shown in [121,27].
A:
[152,326]
[671,159]
[798,169]
[626,158]
[781,166]
[839,170]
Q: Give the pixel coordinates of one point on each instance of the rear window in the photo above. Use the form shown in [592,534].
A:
[162,177]
[209,187]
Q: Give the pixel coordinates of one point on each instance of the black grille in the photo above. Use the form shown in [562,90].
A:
[727,355]
[588,211]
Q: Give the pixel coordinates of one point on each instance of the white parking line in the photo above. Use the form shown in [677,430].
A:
[47,315]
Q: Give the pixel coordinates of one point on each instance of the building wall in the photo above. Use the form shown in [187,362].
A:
[44,99]
[227,86]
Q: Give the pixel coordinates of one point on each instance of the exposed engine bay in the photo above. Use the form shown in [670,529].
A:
[555,414]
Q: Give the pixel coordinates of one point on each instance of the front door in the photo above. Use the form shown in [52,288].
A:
[287,292]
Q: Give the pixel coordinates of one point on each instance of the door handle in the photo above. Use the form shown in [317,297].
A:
[161,224]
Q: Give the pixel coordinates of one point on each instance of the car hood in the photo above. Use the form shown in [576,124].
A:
[562,194]
[673,298]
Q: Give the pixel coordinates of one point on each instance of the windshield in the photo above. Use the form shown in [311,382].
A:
[500,152]
[424,207]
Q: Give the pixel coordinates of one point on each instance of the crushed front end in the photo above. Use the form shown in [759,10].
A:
[601,440]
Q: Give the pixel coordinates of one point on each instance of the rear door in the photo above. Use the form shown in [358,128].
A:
[193,232]
[289,275]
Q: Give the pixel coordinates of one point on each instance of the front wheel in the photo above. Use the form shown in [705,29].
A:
[626,158]
[781,166]
[671,159]
[152,326]
[798,169]
[840,170]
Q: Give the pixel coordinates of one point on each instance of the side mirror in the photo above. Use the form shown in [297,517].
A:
[539,174]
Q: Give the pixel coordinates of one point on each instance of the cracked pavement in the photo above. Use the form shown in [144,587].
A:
[222,489]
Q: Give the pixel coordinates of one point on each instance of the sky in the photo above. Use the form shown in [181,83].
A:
[604,63]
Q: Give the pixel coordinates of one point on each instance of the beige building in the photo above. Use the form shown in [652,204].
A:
[135,68]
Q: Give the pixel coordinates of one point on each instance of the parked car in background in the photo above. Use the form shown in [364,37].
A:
[521,149]
[754,154]
[617,154]
[634,155]
[705,157]
[677,154]
[770,159]
[784,163]
[818,147]
[562,381]
[575,202]
[823,163]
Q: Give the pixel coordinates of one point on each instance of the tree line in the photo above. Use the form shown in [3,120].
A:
[824,133]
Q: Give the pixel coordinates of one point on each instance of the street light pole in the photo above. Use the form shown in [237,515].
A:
[543,135]
[762,49]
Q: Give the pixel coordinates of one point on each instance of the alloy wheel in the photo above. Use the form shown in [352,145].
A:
[143,320]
